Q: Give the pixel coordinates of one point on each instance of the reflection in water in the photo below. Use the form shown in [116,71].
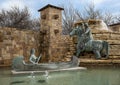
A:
[95,76]
[16,82]
[31,75]
[41,81]
[46,74]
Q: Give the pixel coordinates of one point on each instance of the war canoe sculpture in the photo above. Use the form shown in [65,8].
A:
[18,64]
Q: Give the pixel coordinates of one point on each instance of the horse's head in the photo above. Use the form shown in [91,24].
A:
[77,30]
[73,32]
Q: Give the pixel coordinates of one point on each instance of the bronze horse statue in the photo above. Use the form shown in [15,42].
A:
[86,42]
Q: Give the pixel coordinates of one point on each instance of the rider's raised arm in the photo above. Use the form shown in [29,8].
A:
[87,29]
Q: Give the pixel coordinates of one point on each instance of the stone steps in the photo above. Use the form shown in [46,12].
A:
[103,62]
[92,62]
[5,65]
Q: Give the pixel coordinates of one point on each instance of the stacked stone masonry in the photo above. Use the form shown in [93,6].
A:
[113,38]
[53,45]
[15,43]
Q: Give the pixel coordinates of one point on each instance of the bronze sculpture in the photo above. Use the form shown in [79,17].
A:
[87,43]
[18,64]
[33,59]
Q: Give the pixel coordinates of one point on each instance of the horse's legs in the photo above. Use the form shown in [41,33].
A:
[107,49]
[97,54]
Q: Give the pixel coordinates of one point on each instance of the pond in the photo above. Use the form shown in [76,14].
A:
[91,76]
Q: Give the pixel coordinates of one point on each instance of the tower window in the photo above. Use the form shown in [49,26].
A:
[56,31]
[43,17]
[55,16]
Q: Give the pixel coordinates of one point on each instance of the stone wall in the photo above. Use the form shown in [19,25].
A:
[61,50]
[115,27]
[113,38]
[53,45]
[49,41]
[14,42]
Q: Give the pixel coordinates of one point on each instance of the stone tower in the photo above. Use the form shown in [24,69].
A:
[50,31]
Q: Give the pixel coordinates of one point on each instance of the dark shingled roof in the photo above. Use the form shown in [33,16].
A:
[115,24]
[49,5]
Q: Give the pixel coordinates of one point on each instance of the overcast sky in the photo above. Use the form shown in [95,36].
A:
[33,5]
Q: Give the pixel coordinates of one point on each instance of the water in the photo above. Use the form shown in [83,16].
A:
[46,74]
[91,76]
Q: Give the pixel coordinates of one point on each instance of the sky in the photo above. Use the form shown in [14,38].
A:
[34,5]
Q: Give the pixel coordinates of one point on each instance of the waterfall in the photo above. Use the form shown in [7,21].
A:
[103,26]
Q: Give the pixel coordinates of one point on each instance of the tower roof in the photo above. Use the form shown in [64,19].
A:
[49,5]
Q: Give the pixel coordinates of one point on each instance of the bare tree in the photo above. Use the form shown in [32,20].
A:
[16,18]
[108,18]
[70,15]
[91,12]
[117,18]
[35,24]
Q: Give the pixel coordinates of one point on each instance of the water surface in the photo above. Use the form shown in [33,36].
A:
[91,76]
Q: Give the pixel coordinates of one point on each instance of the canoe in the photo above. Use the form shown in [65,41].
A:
[18,64]
[44,71]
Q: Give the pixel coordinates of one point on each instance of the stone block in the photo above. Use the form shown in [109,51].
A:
[96,31]
[115,52]
[94,61]
[1,59]
[115,36]
[6,56]
[113,42]
[67,59]
[114,57]
[68,56]
[115,47]
[7,62]
[116,61]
